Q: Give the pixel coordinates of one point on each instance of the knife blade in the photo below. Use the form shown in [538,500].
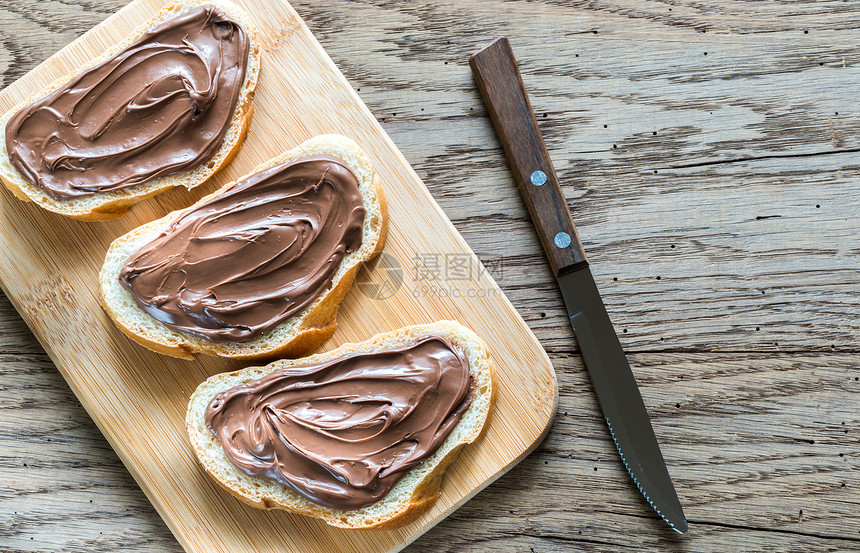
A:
[500,83]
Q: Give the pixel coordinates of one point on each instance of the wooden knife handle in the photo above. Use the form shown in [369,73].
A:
[498,79]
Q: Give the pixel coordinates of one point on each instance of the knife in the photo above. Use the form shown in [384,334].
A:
[498,79]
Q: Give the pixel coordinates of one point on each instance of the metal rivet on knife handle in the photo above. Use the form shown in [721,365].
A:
[562,240]
[538,178]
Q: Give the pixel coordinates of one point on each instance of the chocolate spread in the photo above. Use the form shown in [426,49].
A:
[342,433]
[159,107]
[256,254]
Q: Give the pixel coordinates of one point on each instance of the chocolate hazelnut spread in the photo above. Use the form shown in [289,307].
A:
[254,255]
[342,433]
[160,106]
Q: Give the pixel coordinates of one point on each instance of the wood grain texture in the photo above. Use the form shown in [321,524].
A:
[746,346]
[730,127]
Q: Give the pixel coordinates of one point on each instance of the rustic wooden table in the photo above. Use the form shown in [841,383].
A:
[709,153]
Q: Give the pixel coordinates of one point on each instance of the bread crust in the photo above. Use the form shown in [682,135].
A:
[317,322]
[425,493]
[116,203]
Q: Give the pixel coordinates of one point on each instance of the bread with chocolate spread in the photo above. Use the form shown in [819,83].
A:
[168,106]
[259,267]
[359,436]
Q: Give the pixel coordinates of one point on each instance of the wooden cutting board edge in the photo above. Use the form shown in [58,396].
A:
[117,444]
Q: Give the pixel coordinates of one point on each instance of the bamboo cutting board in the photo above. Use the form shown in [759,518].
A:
[49,267]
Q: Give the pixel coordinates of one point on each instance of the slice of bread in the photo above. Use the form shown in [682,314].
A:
[295,336]
[412,496]
[103,206]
